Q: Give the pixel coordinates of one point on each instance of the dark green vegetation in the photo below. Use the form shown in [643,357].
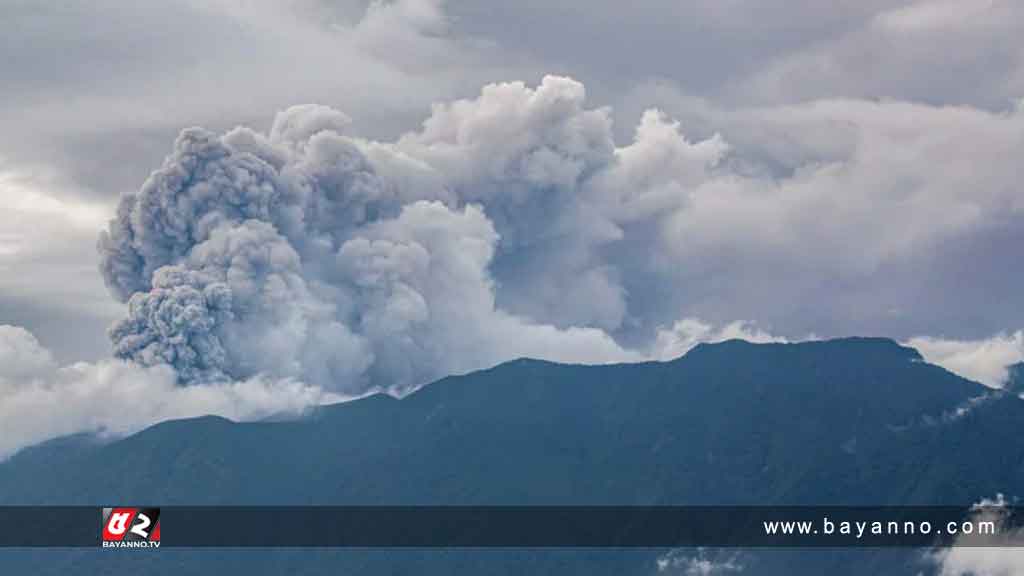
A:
[852,421]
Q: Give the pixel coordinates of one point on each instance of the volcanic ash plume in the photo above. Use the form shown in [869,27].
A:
[311,254]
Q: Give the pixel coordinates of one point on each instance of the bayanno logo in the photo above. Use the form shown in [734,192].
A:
[131,528]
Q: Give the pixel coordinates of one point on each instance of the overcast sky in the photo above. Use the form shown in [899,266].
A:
[583,180]
[802,168]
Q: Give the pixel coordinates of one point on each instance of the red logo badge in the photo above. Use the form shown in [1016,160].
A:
[131,528]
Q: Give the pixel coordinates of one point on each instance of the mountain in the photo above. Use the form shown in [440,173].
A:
[849,421]
[1015,379]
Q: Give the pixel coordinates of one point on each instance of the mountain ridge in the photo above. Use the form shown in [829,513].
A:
[881,347]
[744,410]
[840,422]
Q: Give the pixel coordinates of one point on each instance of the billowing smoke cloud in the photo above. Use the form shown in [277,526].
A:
[509,224]
[308,253]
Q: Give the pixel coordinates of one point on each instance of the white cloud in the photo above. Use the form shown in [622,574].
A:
[950,52]
[877,205]
[21,355]
[701,563]
[40,400]
[936,14]
[894,180]
[983,562]
[686,333]
[985,361]
[101,86]
[27,199]
[962,559]
[47,262]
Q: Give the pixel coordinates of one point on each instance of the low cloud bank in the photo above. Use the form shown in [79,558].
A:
[984,561]
[986,361]
[40,400]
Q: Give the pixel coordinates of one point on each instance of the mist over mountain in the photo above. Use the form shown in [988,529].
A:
[850,421]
